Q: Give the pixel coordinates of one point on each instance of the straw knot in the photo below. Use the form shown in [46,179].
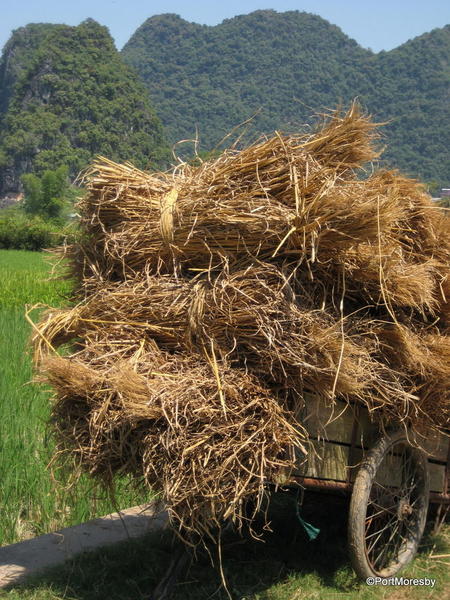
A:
[195,315]
[168,202]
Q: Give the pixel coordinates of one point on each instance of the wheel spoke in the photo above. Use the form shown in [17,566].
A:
[382,510]
[383,492]
[386,490]
[380,533]
[396,527]
[407,526]
[415,501]
[413,486]
[381,519]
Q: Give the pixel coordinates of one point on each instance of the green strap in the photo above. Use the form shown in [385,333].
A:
[311,531]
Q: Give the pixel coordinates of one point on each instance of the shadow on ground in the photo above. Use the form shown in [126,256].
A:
[130,571]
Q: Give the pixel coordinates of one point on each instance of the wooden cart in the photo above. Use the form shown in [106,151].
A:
[391,477]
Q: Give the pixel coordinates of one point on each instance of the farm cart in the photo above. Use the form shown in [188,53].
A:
[391,477]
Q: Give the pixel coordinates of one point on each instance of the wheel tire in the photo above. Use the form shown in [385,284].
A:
[386,521]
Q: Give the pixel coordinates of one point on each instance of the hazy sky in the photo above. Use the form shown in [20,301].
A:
[379,24]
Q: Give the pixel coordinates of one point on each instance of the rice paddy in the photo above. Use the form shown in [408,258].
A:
[31,501]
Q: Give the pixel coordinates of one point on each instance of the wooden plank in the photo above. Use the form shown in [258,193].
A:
[390,471]
[437,473]
[390,474]
[325,460]
[334,422]
[327,422]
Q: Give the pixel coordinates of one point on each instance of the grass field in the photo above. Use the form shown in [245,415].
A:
[31,502]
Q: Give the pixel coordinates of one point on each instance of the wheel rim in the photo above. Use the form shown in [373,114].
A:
[396,509]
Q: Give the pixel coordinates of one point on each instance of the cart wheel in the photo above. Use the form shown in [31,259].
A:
[388,508]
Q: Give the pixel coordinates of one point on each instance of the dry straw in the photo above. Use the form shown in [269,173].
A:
[211,298]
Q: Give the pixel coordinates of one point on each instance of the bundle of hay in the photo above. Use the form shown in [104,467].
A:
[211,298]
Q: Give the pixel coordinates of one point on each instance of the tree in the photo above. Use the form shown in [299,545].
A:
[54,191]
[46,196]
[434,188]
[33,193]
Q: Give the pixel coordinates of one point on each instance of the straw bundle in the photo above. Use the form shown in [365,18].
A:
[360,228]
[181,424]
[211,298]
[244,202]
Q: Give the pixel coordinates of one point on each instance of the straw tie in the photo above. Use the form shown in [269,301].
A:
[196,313]
[168,202]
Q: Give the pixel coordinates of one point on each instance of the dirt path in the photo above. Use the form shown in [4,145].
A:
[20,560]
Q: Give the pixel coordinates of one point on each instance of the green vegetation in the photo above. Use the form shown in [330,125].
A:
[43,219]
[287,65]
[21,231]
[70,97]
[411,85]
[46,196]
[32,503]
[66,94]
[18,49]
[217,77]
[25,279]
[285,567]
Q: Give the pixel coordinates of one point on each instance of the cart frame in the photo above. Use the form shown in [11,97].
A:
[392,475]
[333,486]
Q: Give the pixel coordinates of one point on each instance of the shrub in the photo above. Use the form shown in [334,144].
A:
[24,232]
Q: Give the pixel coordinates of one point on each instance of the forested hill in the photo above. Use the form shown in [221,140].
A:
[412,87]
[16,55]
[67,95]
[288,65]
[285,63]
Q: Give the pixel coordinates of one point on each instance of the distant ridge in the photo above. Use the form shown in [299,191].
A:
[65,96]
[210,78]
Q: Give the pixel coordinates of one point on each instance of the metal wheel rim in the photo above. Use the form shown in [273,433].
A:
[394,512]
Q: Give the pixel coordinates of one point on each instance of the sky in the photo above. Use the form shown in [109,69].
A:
[376,24]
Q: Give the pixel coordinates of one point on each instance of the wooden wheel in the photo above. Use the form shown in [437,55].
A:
[388,507]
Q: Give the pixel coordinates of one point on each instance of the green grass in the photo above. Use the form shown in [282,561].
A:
[286,566]
[31,502]
[25,280]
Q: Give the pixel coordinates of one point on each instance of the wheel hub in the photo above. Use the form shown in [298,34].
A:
[404,509]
